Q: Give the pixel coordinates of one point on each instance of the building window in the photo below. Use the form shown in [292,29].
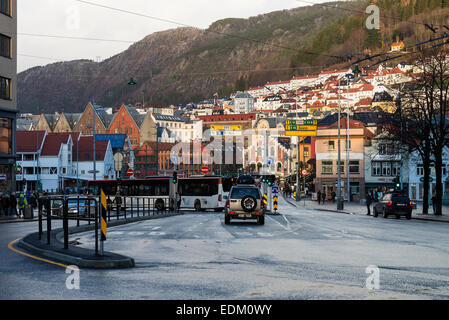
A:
[331,145]
[326,167]
[5,7]
[376,168]
[354,166]
[5,136]
[5,88]
[396,169]
[420,170]
[5,46]
[306,152]
[28,157]
[386,169]
[347,144]
[53,170]
[342,166]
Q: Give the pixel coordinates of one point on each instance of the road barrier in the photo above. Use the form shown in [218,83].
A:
[91,209]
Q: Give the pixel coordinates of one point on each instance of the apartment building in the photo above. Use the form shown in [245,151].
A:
[8,93]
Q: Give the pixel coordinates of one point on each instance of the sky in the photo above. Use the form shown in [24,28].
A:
[71,18]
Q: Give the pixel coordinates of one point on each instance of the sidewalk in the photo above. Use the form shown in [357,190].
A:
[358,209]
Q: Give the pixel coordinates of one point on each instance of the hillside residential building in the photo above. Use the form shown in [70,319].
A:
[243,102]
[352,156]
[8,93]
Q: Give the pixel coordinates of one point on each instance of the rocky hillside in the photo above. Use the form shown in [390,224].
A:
[188,64]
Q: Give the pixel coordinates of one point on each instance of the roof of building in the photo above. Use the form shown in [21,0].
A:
[29,141]
[53,141]
[162,117]
[83,149]
[117,140]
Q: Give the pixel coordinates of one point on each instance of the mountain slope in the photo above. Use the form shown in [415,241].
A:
[188,64]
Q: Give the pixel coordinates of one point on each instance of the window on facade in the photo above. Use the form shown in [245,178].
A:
[347,144]
[396,170]
[5,88]
[28,170]
[5,7]
[385,149]
[5,46]
[326,167]
[331,145]
[420,170]
[354,166]
[376,168]
[5,136]
[342,166]
[28,157]
[53,170]
[45,170]
[386,168]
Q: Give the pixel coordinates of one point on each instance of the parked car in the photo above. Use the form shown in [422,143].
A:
[245,202]
[396,204]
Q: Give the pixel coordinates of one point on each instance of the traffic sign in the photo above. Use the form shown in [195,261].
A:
[204,169]
[270,161]
[301,133]
[304,172]
[307,122]
[130,172]
[275,189]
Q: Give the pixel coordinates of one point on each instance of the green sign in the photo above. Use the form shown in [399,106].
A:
[430,179]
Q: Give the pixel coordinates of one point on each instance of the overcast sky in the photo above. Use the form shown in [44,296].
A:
[75,19]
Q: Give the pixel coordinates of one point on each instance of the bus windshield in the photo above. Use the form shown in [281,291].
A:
[198,187]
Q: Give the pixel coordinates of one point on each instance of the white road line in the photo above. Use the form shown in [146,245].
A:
[285,228]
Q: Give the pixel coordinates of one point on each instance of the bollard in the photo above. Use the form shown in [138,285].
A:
[48,208]
[65,222]
[40,217]
[117,208]
[96,228]
[124,203]
[137,207]
[78,211]
[108,206]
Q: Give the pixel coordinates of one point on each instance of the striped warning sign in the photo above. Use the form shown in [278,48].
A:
[265,199]
[104,226]
[275,203]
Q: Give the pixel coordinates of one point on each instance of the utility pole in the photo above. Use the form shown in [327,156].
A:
[339,202]
[94,155]
[347,157]
[297,171]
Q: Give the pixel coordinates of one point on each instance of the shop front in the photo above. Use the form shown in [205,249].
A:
[7,150]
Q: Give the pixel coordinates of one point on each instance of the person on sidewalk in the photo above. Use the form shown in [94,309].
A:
[323,196]
[434,204]
[21,203]
[369,200]
[5,204]
[334,195]
[319,196]
[13,204]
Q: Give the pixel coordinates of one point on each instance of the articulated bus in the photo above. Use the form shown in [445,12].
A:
[204,192]
[159,190]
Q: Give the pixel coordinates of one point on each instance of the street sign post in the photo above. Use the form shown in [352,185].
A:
[301,128]
[130,172]
[275,190]
[204,170]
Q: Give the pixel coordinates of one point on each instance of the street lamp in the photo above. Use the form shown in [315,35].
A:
[339,201]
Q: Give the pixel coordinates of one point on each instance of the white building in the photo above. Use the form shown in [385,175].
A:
[243,102]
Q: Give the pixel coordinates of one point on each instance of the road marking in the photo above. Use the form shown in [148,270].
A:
[10,246]
[285,228]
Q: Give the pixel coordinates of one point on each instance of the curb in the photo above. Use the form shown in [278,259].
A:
[73,255]
[17,220]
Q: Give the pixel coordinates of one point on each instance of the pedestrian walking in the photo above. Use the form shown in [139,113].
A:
[5,204]
[21,203]
[33,201]
[369,200]
[333,196]
[13,204]
[323,196]
[319,196]
[434,204]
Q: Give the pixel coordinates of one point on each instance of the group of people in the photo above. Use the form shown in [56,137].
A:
[13,204]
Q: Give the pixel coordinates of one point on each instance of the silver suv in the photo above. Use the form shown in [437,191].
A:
[245,202]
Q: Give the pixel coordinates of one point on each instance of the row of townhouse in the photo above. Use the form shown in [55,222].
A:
[56,161]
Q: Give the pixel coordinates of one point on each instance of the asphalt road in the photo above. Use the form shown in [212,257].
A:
[301,254]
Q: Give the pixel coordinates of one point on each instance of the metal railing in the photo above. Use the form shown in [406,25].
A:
[86,208]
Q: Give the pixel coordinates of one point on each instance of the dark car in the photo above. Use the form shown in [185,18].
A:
[396,204]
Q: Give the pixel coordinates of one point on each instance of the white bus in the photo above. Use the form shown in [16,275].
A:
[202,193]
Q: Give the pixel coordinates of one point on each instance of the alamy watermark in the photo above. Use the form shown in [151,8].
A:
[373,280]
[73,280]
[373,21]
[73,18]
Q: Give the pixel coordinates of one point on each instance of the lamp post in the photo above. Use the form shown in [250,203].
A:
[339,202]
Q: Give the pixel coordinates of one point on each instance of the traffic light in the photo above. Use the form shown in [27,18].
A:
[397,182]
[175,177]
[271,180]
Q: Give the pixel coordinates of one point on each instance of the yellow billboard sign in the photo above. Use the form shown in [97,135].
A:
[301,133]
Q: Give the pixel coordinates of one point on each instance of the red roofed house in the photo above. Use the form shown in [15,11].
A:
[29,146]
[83,160]
[55,160]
